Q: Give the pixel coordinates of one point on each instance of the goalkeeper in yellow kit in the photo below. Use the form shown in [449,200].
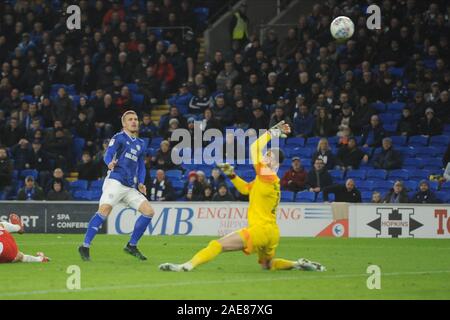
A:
[262,234]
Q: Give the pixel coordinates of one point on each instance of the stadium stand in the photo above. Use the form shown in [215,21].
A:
[67,90]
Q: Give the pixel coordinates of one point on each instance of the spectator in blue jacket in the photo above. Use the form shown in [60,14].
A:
[182,99]
[303,122]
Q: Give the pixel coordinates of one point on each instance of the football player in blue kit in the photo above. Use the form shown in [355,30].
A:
[124,183]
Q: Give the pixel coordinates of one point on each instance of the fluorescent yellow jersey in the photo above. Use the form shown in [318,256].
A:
[264,190]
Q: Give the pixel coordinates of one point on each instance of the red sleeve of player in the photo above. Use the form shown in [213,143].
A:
[8,247]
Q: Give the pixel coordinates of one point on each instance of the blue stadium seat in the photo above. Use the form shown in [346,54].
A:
[138,99]
[319,198]
[333,141]
[96,184]
[152,173]
[366,185]
[396,72]
[78,185]
[376,174]
[408,152]
[389,118]
[77,147]
[439,140]
[305,152]
[15,174]
[390,128]
[412,163]
[398,140]
[410,185]
[379,106]
[29,172]
[398,175]
[305,196]
[433,164]
[383,185]
[419,174]
[174,175]
[446,129]
[395,107]
[312,142]
[287,196]
[366,196]
[133,87]
[418,141]
[155,142]
[446,186]
[443,196]
[336,174]
[299,142]
[357,174]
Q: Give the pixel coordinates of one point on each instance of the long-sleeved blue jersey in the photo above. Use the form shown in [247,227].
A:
[129,153]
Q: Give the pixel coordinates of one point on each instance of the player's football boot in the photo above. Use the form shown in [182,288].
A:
[84,253]
[15,219]
[134,251]
[306,265]
[173,267]
[44,258]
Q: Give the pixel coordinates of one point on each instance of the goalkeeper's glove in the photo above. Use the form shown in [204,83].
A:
[276,131]
[227,169]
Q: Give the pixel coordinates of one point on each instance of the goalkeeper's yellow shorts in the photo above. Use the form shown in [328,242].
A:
[262,240]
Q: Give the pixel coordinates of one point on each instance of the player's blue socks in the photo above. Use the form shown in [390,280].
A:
[139,228]
[95,224]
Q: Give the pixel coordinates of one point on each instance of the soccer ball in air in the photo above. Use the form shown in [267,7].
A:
[342,28]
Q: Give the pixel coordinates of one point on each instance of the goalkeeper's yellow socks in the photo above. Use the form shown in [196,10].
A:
[282,264]
[205,255]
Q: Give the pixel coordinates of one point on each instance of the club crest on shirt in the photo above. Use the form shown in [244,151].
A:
[138,147]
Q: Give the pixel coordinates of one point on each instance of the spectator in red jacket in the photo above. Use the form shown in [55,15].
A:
[115,13]
[165,73]
[295,178]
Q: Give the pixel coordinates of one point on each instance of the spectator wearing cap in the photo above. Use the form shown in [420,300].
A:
[58,193]
[228,74]
[430,125]
[259,119]
[6,172]
[318,177]
[388,158]
[174,125]
[160,188]
[163,159]
[182,99]
[350,156]
[31,191]
[87,170]
[193,190]
[295,178]
[397,194]
[200,102]
[343,193]
[222,112]
[280,115]
[303,122]
[407,125]
[385,86]
[424,195]
[323,126]
[223,194]
[373,133]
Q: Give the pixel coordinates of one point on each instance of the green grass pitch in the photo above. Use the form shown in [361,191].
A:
[410,269]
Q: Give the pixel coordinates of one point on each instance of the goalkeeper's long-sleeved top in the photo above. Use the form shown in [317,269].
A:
[264,190]
[129,152]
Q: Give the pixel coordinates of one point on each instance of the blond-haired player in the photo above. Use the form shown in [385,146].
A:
[124,183]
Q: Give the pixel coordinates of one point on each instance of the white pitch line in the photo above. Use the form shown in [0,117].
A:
[191,283]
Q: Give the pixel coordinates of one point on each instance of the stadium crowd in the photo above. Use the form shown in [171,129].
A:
[370,117]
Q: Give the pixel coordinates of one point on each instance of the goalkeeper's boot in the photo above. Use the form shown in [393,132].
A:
[84,253]
[134,251]
[306,265]
[173,267]
[15,219]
